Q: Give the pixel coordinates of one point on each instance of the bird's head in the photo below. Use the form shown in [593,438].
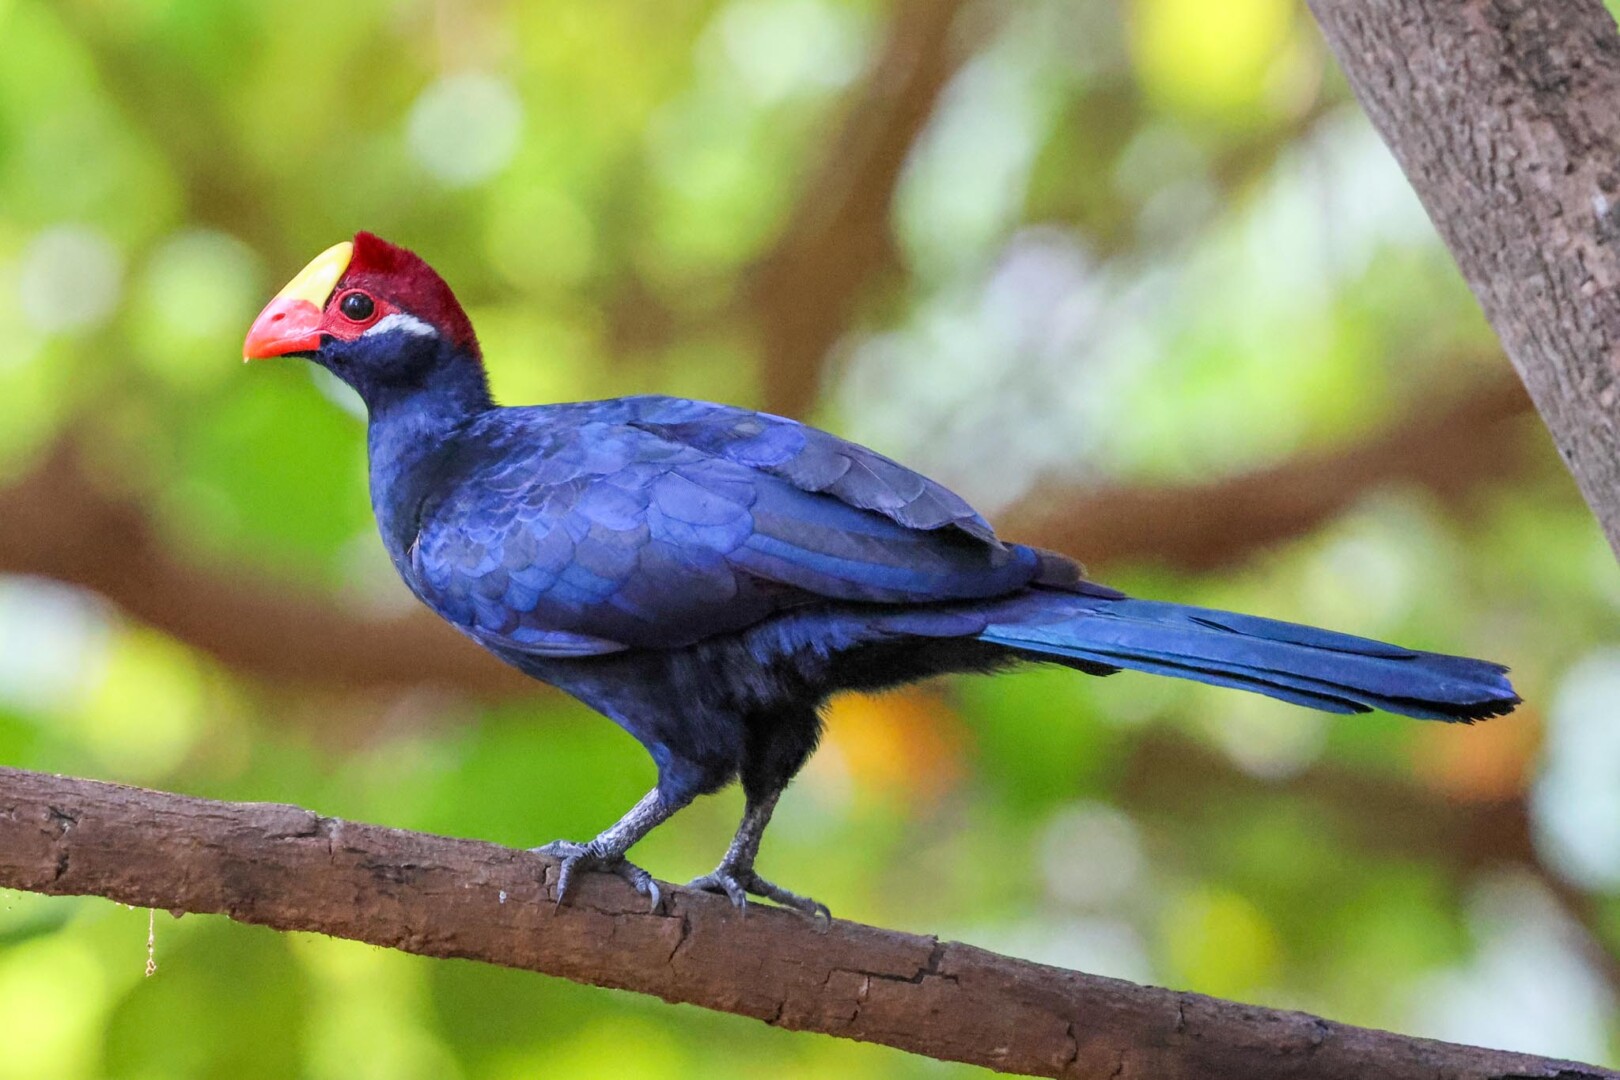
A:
[378,317]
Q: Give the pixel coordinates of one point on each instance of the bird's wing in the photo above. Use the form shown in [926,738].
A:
[811,460]
[615,536]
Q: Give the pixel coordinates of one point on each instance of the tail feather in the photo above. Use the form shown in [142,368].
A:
[1320,669]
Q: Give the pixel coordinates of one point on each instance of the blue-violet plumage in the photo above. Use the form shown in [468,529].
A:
[707,576]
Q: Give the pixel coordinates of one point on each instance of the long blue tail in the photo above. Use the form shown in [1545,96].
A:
[1319,669]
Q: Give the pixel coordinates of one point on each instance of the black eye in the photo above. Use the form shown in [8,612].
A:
[357,306]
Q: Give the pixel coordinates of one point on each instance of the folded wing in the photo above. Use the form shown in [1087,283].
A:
[655,523]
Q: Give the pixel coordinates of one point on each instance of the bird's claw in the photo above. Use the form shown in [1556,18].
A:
[575,856]
[738,883]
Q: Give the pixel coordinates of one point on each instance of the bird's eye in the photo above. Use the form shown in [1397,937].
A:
[357,306]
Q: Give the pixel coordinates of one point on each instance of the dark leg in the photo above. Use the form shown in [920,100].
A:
[606,852]
[735,875]
[778,745]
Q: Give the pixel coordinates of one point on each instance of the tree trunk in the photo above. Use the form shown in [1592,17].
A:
[1505,115]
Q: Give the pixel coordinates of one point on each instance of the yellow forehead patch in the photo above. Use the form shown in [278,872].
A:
[316,281]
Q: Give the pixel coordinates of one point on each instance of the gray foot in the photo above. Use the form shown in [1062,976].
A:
[739,883]
[576,856]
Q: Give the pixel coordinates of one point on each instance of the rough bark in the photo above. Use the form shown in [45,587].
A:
[1505,115]
[291,869]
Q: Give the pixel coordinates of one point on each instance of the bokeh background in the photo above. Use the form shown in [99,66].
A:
[1134,275]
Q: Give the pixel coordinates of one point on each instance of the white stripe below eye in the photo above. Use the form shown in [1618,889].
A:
[410,324]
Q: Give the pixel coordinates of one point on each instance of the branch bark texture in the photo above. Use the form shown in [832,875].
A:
[291,869]
[1505,115]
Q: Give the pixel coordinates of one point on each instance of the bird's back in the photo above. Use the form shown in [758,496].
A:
[589,528]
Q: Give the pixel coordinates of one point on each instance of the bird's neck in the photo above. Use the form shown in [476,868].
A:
[411,432]
[429,382]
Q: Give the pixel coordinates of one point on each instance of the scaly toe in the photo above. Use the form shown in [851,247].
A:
[739,884]
[722,881]
[562,849]
[804,905]
[576,856]
[642,882]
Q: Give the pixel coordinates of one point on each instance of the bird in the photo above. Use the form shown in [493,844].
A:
[707,576]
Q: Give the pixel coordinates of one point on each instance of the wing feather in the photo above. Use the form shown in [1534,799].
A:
[654,523]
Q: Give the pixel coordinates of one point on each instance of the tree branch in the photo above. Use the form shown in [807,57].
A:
[804,291]
[1449,452]
[60,524]
[1505,115]
[288,868]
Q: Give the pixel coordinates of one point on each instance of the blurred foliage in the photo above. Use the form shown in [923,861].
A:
[1138,240]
